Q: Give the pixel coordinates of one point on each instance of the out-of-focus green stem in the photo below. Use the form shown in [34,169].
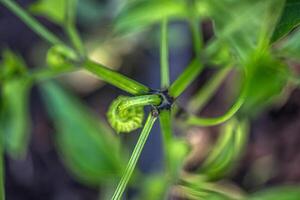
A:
[114,78]
[164,55]
[70,26]
[208,90]
[186,78]
[49,73]
[134,158]
[194,120]
[31,22]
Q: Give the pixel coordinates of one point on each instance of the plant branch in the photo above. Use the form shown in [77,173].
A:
[134,158]
[194,120]
[31,22]
[186,78]
[70,27]
[164,55]
[166,129]
[114,78]
[208,90]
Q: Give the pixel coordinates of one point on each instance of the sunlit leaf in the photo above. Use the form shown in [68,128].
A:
[227,149]
[289,19]
[53,10]
[278,193]
[140,14]
[86,144]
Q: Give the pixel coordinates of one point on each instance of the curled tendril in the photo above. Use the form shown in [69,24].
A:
[125,120]
[126,114]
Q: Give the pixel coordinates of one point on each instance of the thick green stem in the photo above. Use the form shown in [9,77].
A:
[31,22]
[116,79]
[208,90]
[164,55]
[196,35]
[186,78]
[166,129]
[134,158]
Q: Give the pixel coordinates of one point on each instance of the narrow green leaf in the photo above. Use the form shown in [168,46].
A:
[87,146]
[290,19]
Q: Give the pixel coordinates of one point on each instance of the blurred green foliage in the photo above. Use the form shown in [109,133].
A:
[86,144]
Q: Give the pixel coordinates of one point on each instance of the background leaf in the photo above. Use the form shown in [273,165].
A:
[289,20]
[290,48]
[267,77]
[140,14]
[86,145]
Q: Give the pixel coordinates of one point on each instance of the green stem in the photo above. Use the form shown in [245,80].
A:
[70,26]
[196,35]
[134,158]
[194,120]
[208,90]
[116,79]
[166,129]
[144,100]
[31,22]
[164,55]
[49,73]
[186,78]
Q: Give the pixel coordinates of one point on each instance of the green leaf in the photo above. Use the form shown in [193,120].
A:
[243,24]
[140,14]
[86,144]
[227,149]
[290,19]
[278,193]
[16,123]
[266,79]
[53,10]
[291,47]
[11,65]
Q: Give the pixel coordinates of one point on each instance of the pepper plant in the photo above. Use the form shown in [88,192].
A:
[253,38]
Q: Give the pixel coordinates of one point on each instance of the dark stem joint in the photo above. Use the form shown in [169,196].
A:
[166,100]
